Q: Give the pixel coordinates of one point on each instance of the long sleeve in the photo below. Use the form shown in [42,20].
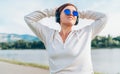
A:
[40,30]
[100,20]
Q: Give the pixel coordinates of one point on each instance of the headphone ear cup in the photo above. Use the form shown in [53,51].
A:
[77,20]
[57,15]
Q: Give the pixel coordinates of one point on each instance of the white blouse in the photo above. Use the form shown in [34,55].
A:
[73,56]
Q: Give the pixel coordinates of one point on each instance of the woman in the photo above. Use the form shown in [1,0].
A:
[69,49]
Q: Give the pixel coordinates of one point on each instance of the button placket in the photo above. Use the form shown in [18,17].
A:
[63,46]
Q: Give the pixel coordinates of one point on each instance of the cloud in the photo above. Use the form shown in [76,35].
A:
[13,11]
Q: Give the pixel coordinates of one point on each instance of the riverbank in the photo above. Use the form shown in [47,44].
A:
[24,63]
[16,67]
[8,68]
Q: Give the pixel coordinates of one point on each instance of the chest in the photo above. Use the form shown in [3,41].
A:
[72,46]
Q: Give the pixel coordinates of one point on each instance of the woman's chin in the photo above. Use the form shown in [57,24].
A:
[69,23]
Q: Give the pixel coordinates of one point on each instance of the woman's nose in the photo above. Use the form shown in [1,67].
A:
[71,14]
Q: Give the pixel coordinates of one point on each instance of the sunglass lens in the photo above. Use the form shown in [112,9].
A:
[67,12]
[75,13]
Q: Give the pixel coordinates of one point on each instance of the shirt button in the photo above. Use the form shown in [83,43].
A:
[64,46]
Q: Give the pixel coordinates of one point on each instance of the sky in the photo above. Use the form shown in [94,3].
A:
[12,14]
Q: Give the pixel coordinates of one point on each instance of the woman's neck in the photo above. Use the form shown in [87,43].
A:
[65,29]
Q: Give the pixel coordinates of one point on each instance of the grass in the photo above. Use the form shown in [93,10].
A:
[97,73]
[24,63]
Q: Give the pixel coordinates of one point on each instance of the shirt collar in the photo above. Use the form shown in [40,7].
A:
[74,28]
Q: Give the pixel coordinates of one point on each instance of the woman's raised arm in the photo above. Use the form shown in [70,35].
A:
[100,20]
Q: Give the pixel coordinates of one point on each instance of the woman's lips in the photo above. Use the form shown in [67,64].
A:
[70,17]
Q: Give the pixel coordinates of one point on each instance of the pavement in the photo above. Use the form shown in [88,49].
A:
[8,68]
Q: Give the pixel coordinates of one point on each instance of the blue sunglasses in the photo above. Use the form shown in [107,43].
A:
[68,12]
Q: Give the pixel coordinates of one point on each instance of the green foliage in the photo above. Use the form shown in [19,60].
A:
[21,44]
[97,42]
[106,42]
